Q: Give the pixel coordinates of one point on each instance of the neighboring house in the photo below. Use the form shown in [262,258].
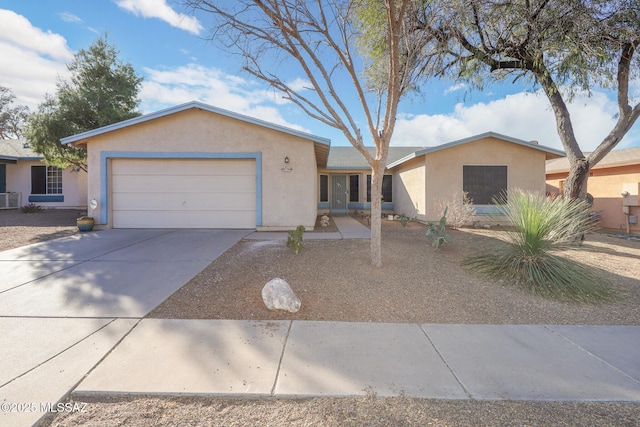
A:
[197,166]
[24,179]
[617,173]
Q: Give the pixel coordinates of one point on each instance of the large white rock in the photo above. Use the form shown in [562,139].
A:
[278,295]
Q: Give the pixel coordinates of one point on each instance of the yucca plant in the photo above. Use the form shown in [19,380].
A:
[540,228]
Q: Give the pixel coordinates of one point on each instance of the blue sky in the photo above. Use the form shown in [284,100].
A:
[167,46]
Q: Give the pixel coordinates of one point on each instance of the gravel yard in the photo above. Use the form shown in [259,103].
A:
[335,282]
[20,229]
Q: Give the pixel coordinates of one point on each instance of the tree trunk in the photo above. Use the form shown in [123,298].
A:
[377,173]
[575,186]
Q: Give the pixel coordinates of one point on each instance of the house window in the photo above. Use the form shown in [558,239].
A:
[324,188]
[46,180]
[387,188]
[354,188]
[484,183]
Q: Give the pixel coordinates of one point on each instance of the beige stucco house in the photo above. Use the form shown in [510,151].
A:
[483,166]
[197,166]
[24,178]
[613,182]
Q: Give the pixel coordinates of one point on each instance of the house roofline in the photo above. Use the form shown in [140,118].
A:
[3,157]
[187,106]
[604,163]
[548,150]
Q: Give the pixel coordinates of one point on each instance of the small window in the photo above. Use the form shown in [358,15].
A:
[354,188]
[46,180]
[484,183]
[387,188]
[324,188]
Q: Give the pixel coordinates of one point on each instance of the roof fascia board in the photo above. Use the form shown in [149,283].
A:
[477,138]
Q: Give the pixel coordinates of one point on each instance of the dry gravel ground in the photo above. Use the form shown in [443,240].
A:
[19,229]
[335,282]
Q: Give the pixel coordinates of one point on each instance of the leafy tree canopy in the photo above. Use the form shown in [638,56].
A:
[561,46]
[101,90]
[12,119]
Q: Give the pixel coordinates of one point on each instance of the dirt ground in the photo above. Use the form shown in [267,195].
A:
[417,284]
[20,229]
[335,282]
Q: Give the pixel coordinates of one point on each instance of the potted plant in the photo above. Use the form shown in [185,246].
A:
[85,223]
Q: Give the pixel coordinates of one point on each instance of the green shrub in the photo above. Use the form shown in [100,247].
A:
[403,219]
[436,231]
[31,208]
[294,240]
[541,228]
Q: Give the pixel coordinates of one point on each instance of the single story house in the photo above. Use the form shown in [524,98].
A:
[613,183]
[198,166]
[418,180]
[24,178]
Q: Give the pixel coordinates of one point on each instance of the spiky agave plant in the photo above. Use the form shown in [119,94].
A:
[541,227]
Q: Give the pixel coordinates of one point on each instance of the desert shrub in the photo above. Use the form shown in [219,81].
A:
[294,240]
[541,228]
[437,231]
[403,220]
[460,210]
[31,208]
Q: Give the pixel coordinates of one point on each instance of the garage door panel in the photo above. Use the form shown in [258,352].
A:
[163,167]
[185,201]
[191,184]
[179,219]
[183,193]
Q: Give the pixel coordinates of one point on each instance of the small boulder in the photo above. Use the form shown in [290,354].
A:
[278,295]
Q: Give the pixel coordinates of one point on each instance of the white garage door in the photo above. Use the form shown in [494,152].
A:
[178,193]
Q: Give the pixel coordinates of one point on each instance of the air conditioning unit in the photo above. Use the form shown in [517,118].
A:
[10,200]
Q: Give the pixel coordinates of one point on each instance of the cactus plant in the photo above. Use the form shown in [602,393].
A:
[436,231]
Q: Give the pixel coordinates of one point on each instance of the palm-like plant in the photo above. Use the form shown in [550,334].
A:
[541,227]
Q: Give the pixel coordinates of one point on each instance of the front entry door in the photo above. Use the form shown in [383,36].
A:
[339,191]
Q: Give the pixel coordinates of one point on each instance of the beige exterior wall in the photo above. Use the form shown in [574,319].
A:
[442,178]
[605,185]
[409,188]
[286,197]
[74,185]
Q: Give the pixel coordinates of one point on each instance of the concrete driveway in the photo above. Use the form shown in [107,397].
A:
[65,303]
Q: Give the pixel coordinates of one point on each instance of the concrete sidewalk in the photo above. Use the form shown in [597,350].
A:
[303,359]
[348,228]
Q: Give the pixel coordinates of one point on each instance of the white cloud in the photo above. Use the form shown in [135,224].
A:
[161,10]
[526,116]
[169,87]
[31,60]
[70,17]
[456,87]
